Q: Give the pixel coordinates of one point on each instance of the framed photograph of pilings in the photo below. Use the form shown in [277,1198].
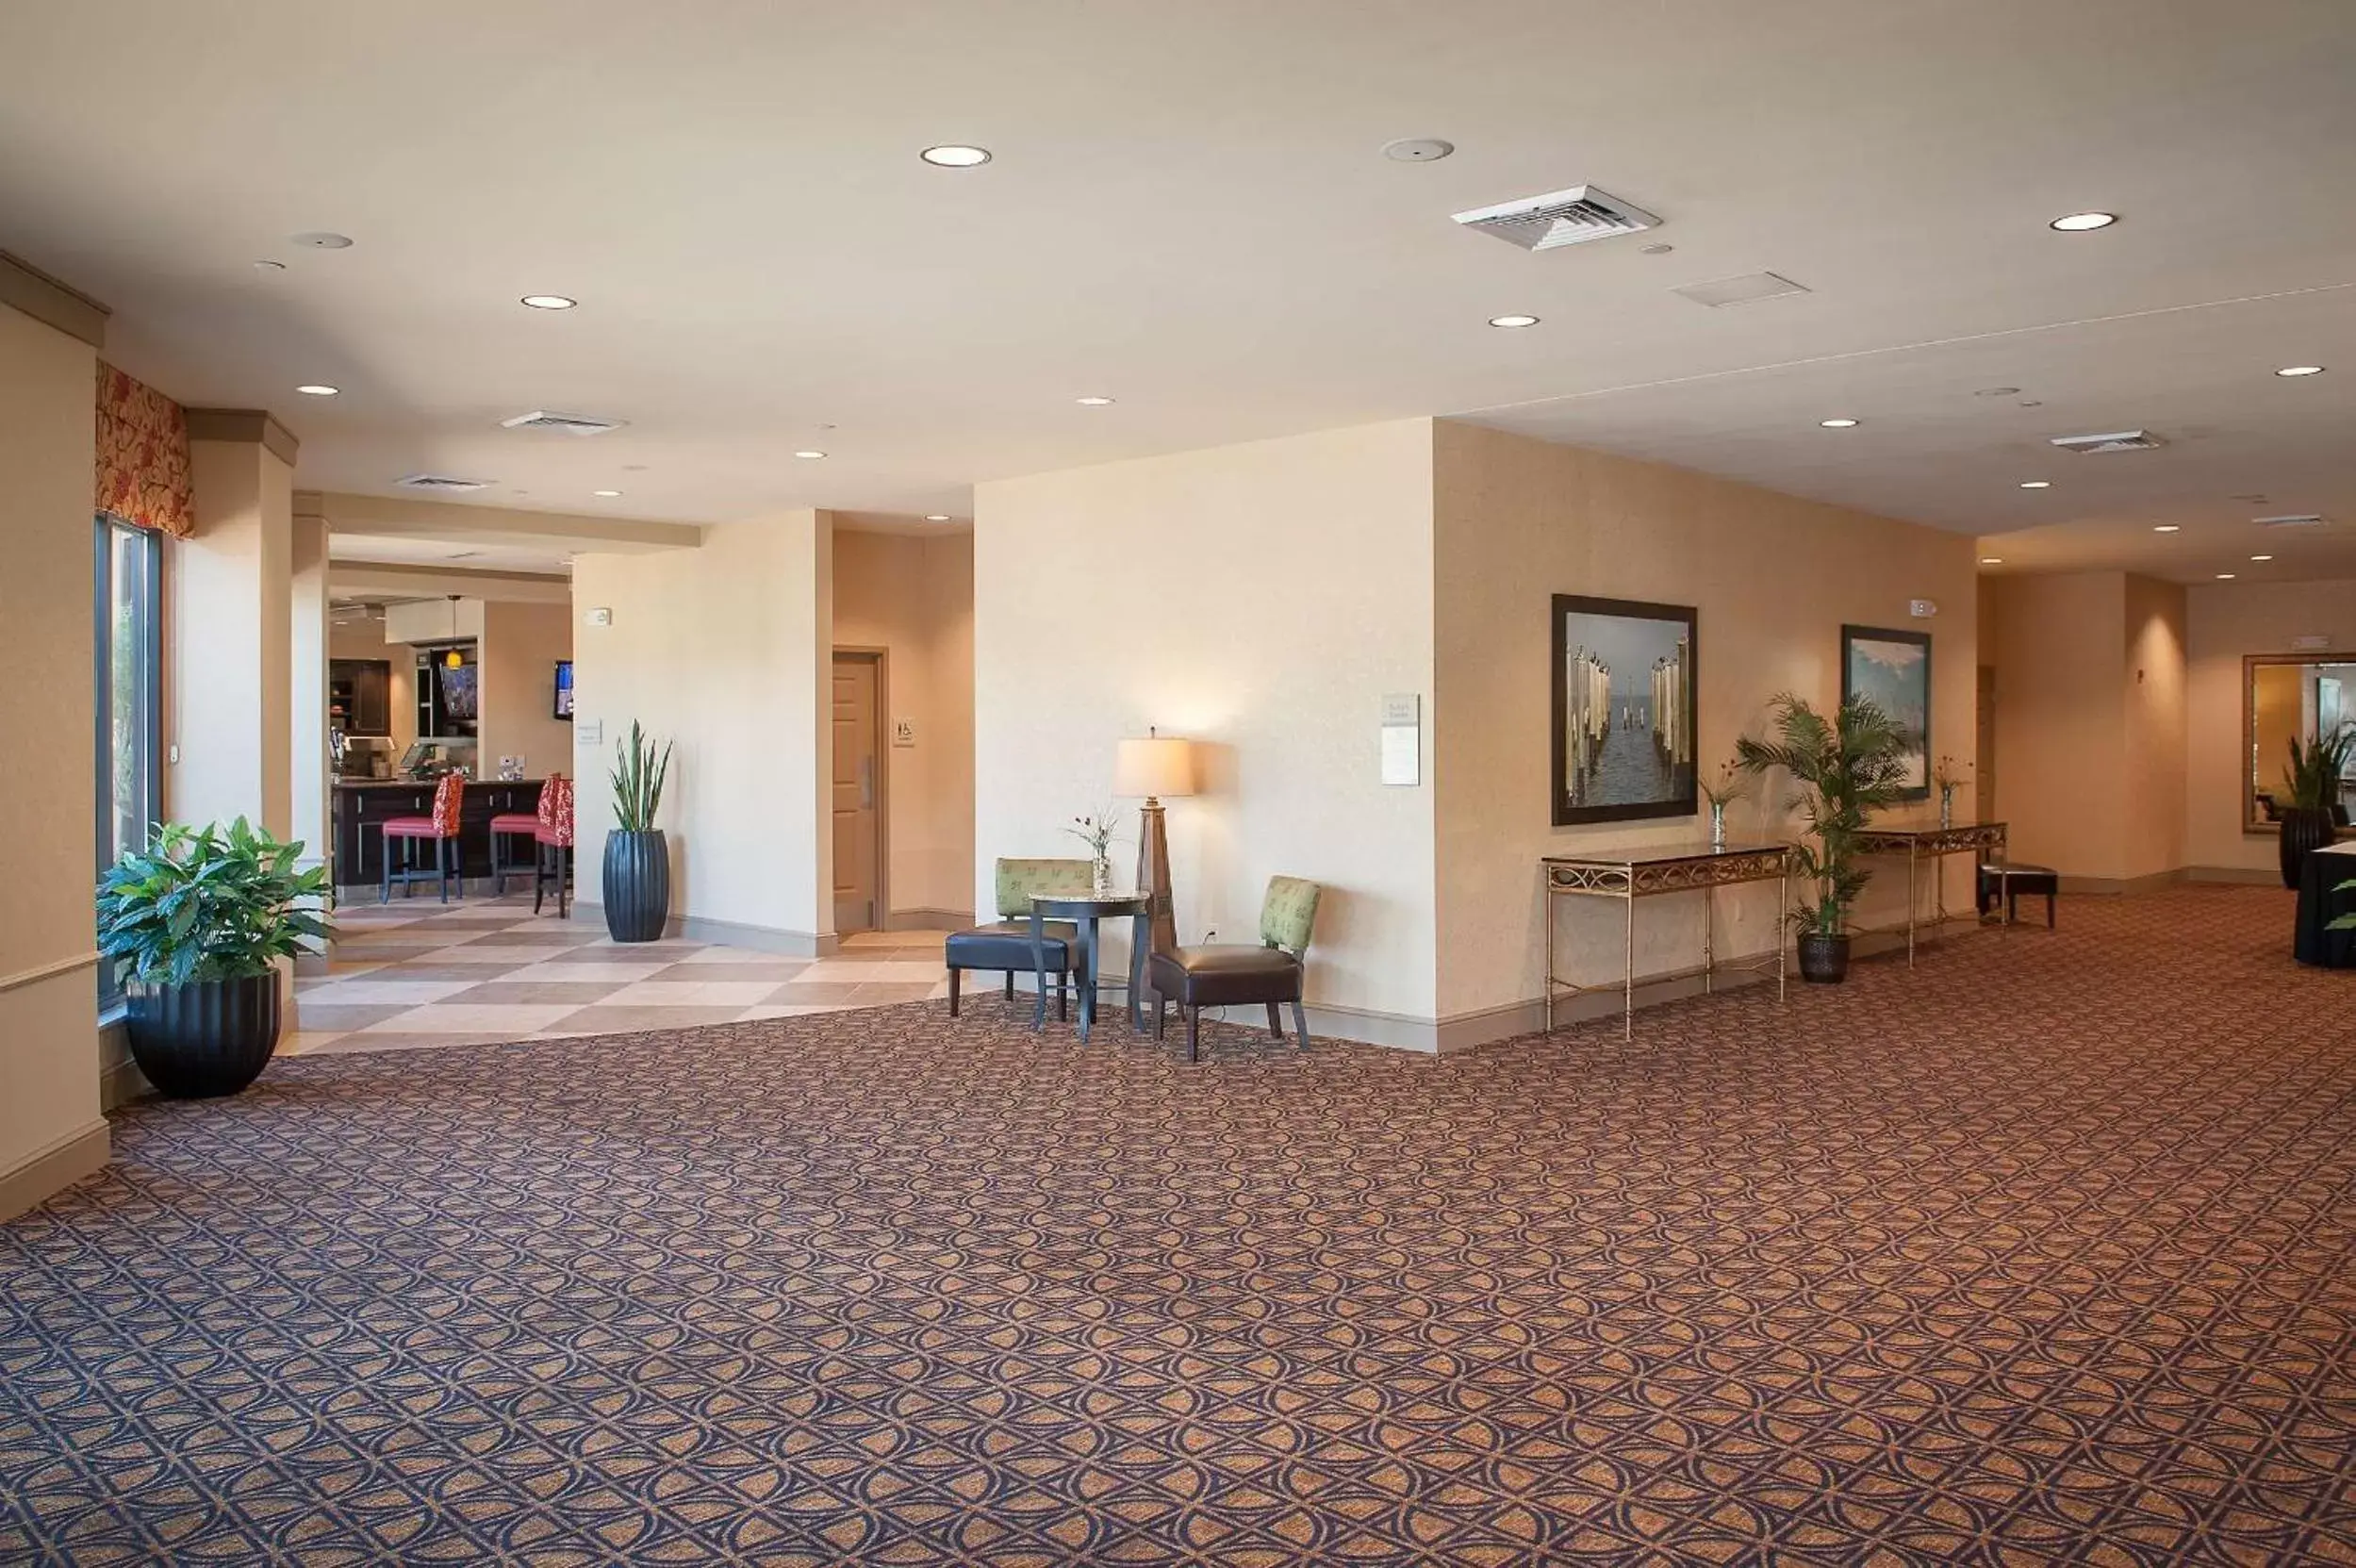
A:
[1623,718]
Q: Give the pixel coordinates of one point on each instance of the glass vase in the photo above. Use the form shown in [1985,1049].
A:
[1718,824]
[1947,805]
[1101,875]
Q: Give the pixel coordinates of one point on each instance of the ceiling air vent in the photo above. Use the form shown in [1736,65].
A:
[1569,217]
[2294,519]
[570,424]
[441,482]
[1721,292]
[2117,441]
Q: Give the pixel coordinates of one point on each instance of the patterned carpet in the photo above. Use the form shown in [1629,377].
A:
[2044,1252]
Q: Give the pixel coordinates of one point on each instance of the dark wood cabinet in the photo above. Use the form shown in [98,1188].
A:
[361,809]
[359,696]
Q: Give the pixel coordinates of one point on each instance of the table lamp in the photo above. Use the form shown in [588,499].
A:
[1154,767]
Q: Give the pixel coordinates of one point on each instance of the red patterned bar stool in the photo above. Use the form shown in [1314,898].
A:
[555,841]
[449,794]
[510,825]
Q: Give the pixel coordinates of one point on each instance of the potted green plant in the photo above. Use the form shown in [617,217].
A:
[194,925]
[637,879]
[2313,782]
[1843,768]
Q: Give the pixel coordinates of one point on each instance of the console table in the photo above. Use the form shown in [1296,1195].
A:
[1645,873]
[1981,840]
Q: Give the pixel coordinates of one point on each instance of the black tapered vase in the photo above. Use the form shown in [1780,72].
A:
[637,884]
[2305,830]
[1824,959]
[204,1038]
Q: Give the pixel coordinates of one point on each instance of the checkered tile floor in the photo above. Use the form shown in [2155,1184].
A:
[410,975]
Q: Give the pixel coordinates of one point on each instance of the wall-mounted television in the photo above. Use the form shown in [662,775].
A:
[563,689]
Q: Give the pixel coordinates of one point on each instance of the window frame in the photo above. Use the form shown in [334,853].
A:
[108,537]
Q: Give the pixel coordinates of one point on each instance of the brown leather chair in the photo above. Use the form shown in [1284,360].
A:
[1230,974]
[1006,945]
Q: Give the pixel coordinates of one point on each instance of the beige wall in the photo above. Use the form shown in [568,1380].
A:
[2060,655]
[2153,828]
[519,649]
[2223,621]
[914,598]
[50,1129]
[1773,578]
[230,641]
[726,651]
[1261,598]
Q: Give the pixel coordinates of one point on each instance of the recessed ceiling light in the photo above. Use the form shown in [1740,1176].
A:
[1094,402]
[2301,370]
[2166,528]
[809,456]
[317,390]
[1837,425]
[2037,484]
[1512,321]
[2224,576]
[549,301]
[1418,149]
[954,156]
[1991,560]
[319,240]
[936,517]
[608,494]
[2079,222]
[269,265]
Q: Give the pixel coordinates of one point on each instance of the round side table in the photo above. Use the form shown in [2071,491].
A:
[1084,910]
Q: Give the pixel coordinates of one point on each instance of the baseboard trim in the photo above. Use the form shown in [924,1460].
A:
[929,919]
[119,1081]
[734,933]
[2242,875]
[51,1169]
[2119,887]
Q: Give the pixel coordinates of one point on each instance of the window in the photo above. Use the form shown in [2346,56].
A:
[129,646]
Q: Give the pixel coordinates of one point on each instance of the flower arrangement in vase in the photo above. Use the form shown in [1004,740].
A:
[1949,775]
[1718,790]
[1096,833]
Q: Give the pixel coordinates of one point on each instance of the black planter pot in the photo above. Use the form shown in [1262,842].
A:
[204,1038]
[1824,959]
[637,886]
[2305,830]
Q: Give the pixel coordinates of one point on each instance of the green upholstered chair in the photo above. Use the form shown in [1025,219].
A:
[1233,973]
[1006,945]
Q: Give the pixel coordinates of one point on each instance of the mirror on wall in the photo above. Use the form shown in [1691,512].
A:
[2288,697]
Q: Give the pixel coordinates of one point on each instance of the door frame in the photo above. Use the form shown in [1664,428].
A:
[881,659]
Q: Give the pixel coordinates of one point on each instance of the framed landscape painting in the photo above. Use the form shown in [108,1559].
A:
[1623,720]
[1894,669]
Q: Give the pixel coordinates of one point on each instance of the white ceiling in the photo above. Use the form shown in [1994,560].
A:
[462,554]
[1189,213]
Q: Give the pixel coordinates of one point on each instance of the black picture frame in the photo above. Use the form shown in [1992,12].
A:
[1850,638]
[560,705]
[1573,788]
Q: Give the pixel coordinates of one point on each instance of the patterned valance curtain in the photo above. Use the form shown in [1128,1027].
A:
[142,455]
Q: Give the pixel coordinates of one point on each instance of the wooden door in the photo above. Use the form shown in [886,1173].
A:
[1984,792]
[858,794]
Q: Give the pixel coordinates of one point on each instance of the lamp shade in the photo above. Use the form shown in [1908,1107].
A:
[1154,765]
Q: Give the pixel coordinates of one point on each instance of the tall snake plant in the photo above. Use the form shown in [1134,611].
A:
[637,777]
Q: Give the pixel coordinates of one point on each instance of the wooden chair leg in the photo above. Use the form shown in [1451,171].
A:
[2049,911]
[442,868]
[1193,1034]
[953,979]
[1276,1022]
[1009,985]
[1062,997]
[1161,1016]
[1300,1026]
[383,886]
[564,881]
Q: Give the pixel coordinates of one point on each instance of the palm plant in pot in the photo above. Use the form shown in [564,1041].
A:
[637,879]
[1843,768]
[2312,781]
[194,925]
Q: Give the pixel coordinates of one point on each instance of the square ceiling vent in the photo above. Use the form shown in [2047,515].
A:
[1750,287]
[1548,223]
[2117,441]
[567,424]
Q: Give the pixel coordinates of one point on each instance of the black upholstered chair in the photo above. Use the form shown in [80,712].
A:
[1006,945]
[1230,974]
